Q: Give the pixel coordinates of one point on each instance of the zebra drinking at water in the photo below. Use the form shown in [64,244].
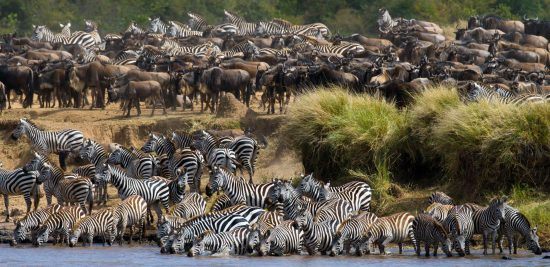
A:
[394,228]
[515,224]
[130,212]
[59,223]
[30,223]
[100,223]
[95,153]
[487,221]
[460,226]
[431,232]
[350,233]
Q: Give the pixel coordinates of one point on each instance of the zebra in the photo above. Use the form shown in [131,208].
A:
[156,25]
[441,198]
[438,211]
[318,236]
[350,233]
[307,29]
[19,182]
[100,223]
[244,28]
[343,49]
[91,28]
[197,23]
[134,29]
[431,232]
[189,160]
[394,228]
[222,202]
[130,212]
[311,187]
[238,190]
[358,196]
[487,221]
[248,48]
[66,188]
[294,204]
[198,50]
[268,220]
[233,242]
[179,30]
[385,22]
[199,225]
[176,187]
[154,192]
[246,150]
[43,34]
[31,223]
[478,92]
[182,140]
[61,142]
[95,154]
[516,223]
[160,145]
[460,226]
[191,206]
[216,157]
[138,167]
[269,28]
[84,39]
[86,171]
[126,57]
[285,238]
[59,223]
[166,226]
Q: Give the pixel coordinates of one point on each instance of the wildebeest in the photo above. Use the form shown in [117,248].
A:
[133,92]
[218,80]
[537,27]
[20,79]
[3,97]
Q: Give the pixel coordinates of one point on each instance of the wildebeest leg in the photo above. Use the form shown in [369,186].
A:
[154,101]
[136,102]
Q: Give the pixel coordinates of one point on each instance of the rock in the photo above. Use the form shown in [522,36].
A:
[230,107]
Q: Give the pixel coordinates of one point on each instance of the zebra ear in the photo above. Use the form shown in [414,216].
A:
[61,25]
[68,24]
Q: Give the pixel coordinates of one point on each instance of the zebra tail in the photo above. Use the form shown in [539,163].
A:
[90,197]
[36,194]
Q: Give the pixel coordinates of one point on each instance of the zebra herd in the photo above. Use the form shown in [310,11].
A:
[280,217]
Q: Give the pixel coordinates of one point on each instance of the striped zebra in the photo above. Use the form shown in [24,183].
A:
[100,223]
[61,142]
[182,140]
[460,226]
[269,28]
[19,182]
[438,211]
[197,226]
[95,153]
[31,223]
[179,30]
[268,220]
[487,221]
[215,157]
[154,192]
[59,224]
[238,190]
[197,23]
[311,187]
[286,238]
[191,161]
[222,202]
[126,57]
[318,236]
[91,28]
[350,233]
[307,29]
[516,224]
[244,28]
[385,22]
[279,53]
[134,29]
[138,167]
[358,195]
[431,232]
[294,204]
[160,145]
[247,150]
[477,92]
[84,39]
[234,242]
[198,50]
[156,25]
[343,49]
[68,189]
[176,187]
[391,229]
[166,227]
[86,171]
[248,48]
[43,34]
[191,206]
[129,213]
[441,198]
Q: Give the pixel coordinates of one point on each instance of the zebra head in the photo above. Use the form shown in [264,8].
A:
[304,220]
[337,246]
[324,192]
[36,163]
[104,174]
[182,140]
[275,191]
[20,232]
[265,245]
[167,245]
[87,150]
[74,234]
[90,25]
[38,32]
[217,179]
[533,241]
[179,245]
[286,192]
[155,25]
[182,179]
[45,173]
[307,184]
[42,235]
[198,247]
[164,229]
[498,206]
[254,240]
[116,156]
[460,245]
[21,129]
[151,144]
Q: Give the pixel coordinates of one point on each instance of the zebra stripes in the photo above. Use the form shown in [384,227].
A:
[45,142]
[487,221]
[19,182]
[176,187]
[95,154]
[478,92]
[234,242]
[178,30]
[350,233]
[197,50]
[216,157]
[246,150]
[318,236]
[222,202]
[438,211]
[59,224]
[91,28]
[100,223]
[31,222]
[516,224]
[244,28]
[460,226]
[358,194]
[441,198]
[191,206]
[43,34]
[130,212]
[166,226]
[190,161]
[160,145]
[432,233]
[343,49]
[391,229]
[138,167]
[156,25]
[284,239]
[182,140]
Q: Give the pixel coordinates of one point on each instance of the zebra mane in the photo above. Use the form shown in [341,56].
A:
[32,124]
[282,22]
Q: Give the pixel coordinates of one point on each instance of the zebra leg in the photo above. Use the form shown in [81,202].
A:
[436,247]
[499,242]
[36,195]
[131,234]
[28,202]
[467,247]
[485,237]
[515,241]
[417,248]
[400,245]
[91,239]
[7,204]
[493,241]
[426,247]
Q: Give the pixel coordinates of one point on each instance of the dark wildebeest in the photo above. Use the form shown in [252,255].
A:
[537,27]
[3,97]
[20,79]
[133,92]
[218,80]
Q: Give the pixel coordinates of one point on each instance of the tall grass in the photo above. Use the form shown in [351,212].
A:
[475,148]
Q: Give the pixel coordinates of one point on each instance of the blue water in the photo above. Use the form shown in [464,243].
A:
[150,256]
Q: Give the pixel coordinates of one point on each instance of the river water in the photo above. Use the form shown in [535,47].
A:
[150,256]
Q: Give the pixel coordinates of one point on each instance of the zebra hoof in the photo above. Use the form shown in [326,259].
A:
[506,257]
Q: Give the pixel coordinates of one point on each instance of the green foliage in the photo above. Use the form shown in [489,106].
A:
[344,16]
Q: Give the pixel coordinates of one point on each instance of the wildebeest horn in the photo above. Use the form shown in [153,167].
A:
[537,18]
[524,17]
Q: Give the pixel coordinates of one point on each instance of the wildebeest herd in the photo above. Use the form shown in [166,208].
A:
[172,63]
[274,218]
